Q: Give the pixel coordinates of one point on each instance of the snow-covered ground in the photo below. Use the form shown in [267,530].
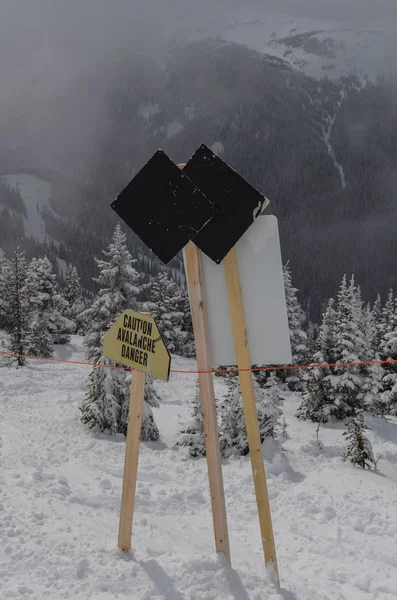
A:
[60,486]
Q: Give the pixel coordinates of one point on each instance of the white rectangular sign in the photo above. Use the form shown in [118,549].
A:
[262,286]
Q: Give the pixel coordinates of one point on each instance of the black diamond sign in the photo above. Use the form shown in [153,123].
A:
[237,201]
[163,207]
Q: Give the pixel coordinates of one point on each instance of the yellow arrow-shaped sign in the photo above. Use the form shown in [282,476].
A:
[135,341]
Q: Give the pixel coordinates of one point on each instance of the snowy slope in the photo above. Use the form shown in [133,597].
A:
[335,526]
[35,192]
[318,48]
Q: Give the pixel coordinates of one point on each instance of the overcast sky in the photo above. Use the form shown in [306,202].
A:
[65,22]
[354,12]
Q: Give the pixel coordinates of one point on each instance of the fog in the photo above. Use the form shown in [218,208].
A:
[63,36]
[353,12]
[51,49]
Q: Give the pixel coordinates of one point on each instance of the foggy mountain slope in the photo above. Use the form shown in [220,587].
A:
[315,48]
[265,118]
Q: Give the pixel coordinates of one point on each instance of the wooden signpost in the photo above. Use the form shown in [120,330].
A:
[249,405]
[218,210]
[135,341]
[198,307]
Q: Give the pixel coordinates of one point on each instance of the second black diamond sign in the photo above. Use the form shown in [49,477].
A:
[237,201]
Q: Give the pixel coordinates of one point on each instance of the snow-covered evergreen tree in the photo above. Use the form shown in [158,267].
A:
[108,390]
[233,432]
[377,320]
[299,343]
[388,396]
[107,393]
[4,268]
[317,403]
[347,335]
[64,327]
[17,306]
[170,308]
[119,287]
[348,381]
[187,345]
[388,318]
[372,386]
[359,449]
[370,333]
[47,302]
[72,291]
[40,286]
[270,407]
[73,295]
[193,436]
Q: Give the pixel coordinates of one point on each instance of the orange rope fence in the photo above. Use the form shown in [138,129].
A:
[271,368]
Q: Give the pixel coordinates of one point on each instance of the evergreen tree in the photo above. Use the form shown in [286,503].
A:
[388,317]
[49,303]
[74,297]
[187,345]
[270,411]
[370,333]
[372,398]
[377,320]
[17,306]
[39,340]
[4,269]
[63,326]
[317,403]
[193,436]
[108,391]
[359,449]
[168,304]
[298,337]
[347,335]
[233,432]
[388,399]
[118,290]
[72,290]
[348,381]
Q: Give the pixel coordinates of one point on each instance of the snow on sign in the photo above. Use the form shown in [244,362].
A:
[163,207]
[262,288]
[135,341]
[238,203]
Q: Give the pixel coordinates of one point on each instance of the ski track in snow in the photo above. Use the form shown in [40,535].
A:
[60,488]
[327,131]
[34,191]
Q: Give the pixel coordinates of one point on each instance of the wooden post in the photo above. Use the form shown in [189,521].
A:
[249,404]
[131,459]
[207,395]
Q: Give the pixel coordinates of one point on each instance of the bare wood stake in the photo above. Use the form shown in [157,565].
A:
[207,395]
[131,459]
[249,404]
